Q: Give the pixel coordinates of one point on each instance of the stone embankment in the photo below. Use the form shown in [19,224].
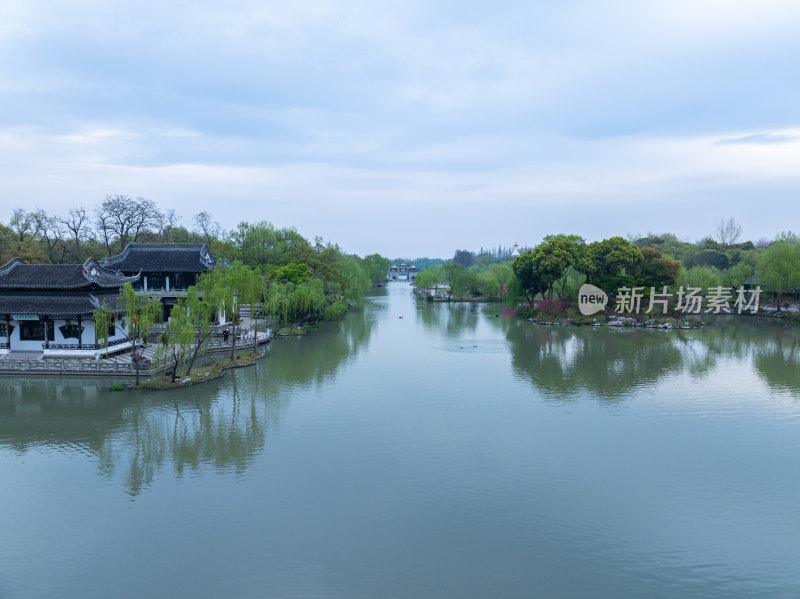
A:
[32,363]
[622,321]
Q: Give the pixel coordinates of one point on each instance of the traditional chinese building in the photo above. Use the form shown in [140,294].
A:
[167,269]
[402,272]
[48,307]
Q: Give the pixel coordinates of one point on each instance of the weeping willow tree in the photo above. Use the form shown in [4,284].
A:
[290,301]
[139,313]
[356,280]
[199,313]
[251,291]
[225,289]
[103,320]
[430,278]
[178,337]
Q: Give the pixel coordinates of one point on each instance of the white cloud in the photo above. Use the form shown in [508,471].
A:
[769,137]
[330,115]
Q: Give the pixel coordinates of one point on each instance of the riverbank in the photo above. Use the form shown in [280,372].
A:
[209,373]
[562,312]
[36,363]
[481,299]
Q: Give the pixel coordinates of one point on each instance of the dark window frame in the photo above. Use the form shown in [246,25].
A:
[75,330]
[34,330]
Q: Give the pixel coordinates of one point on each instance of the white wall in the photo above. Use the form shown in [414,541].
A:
[87,337]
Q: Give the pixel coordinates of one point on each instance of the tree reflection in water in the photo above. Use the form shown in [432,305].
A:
[453,319]
[224,424]
[561,361]
[221,424]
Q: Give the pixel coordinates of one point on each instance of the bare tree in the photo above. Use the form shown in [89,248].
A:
[102,220]
[77,225]
[167,223]
[728,231]
[50,232]
[125,218]
[205,225]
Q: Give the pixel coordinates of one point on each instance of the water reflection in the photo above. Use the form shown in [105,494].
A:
[449,319]
[136,434]
[310,360]
[222,424]
[561,361]
[225,424]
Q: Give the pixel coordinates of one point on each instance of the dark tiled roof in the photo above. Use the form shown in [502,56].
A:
[163,257]
[49,304]
[15,274]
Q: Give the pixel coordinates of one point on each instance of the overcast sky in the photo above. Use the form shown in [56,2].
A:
[410,128]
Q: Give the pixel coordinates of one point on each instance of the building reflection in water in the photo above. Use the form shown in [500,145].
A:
[134,435]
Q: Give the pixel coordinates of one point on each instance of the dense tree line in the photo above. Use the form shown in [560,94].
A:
[556,267]
[297,279]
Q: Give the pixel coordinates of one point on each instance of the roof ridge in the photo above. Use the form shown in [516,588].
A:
[18,275]
[11,264]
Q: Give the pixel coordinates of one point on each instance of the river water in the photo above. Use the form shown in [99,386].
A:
[414,450]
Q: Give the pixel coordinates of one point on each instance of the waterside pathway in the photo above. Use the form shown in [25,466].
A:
[447,453]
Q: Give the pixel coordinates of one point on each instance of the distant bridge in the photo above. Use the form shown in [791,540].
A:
[401,272]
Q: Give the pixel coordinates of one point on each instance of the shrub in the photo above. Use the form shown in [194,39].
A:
[335,310]
[553,307]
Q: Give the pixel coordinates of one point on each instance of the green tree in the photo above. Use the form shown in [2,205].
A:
[226,289]
[453,276]
[292,272]
[704,277]
[736,276]
[251,292]
[27,249]
[355,280]
[610,257]
[556,258]
[177,338]
[489,284]
[199,313]
[430,278]
[502,272]
[656,270]
[140,313]
[528,282]
[779,267]
[262,245]
[376,267]
[288,301]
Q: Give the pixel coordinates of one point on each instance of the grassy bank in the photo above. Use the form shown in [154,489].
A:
[201,375]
